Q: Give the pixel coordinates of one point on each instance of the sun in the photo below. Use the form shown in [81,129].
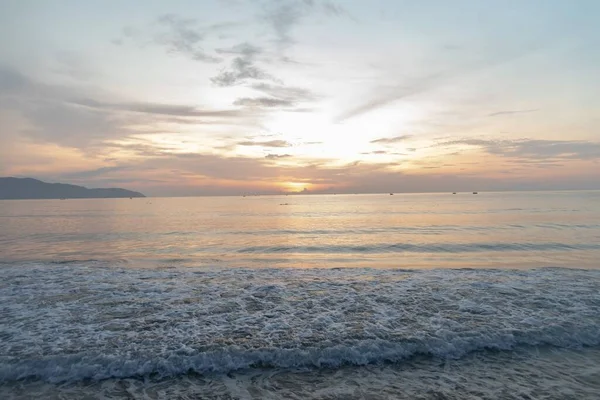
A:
[295,186]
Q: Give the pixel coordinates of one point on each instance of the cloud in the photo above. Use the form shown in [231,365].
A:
[384,96]
[534,149]
[268,143]
[11,80]
[279,96]
[510,112]
[242,67]
[211,174]
[277,156]
[70,117]
[284,15]
[396,139]
[183,37]
[178,110]
[377,152]
[98,172]
[177,35]
[295,94]
[263,102]
[69,126]
[332,8]
[427,83]
[73,65]
[242,49]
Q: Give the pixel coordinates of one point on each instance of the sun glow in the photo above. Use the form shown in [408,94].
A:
[295,186]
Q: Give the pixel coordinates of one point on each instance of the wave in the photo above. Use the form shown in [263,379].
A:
[56,369]
[72,322]
[423,248]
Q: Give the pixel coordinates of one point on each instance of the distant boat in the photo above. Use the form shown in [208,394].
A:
[475,193]
[391,194]
[453,192]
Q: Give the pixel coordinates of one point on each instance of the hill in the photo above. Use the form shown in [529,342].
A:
[29,188]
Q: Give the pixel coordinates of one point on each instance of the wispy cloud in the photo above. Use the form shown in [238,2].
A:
[268,143]
[375,152]
[511,112]
[418,85]
[533,149]
[177,35]
[284,15]
[267,102]
[11,80]
[73,117]
[285,92]
[397,139]
[277,156]
[183,37]
[179,110]
[279,96]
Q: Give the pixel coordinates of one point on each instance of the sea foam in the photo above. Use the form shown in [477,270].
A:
[69,322]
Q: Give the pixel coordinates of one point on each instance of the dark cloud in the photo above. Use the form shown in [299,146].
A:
[277,156]
[396,139]
[534,149]
[242,67]
[268,143]
[267,102]
[511,112]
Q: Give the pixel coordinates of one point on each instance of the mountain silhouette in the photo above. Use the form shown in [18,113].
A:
[29,188]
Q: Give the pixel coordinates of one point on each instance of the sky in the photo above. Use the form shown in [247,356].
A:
[229,97]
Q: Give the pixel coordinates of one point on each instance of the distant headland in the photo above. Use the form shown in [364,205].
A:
[29,188]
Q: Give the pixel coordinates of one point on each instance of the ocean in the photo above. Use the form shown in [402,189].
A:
[410,296]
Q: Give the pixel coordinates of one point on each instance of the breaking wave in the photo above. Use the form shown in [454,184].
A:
[77,321]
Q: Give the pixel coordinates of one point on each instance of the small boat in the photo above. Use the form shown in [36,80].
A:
[475,193]
[453,192]
[391,194]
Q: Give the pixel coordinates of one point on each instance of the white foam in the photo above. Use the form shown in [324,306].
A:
[77,321]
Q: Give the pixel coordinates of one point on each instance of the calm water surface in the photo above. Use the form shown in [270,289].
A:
[534,229]
[429,296]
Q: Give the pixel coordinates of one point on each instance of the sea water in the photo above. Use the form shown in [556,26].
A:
[432,296]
